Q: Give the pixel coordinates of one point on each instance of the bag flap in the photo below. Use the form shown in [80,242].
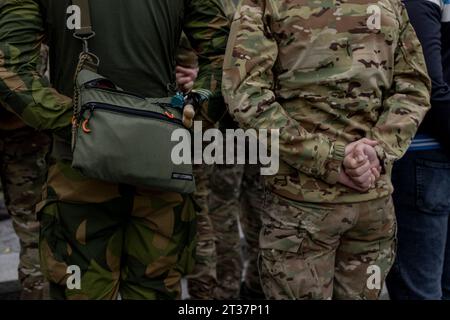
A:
[86,76]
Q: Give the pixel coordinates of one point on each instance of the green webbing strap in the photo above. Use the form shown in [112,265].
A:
[85,32]
[87,60]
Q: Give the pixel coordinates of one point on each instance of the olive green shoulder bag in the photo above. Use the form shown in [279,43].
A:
[120,136]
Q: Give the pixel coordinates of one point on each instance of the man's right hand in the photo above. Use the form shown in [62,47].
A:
[186,78]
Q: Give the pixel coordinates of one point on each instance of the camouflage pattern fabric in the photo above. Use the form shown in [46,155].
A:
[23,172]
[220,265]
[186,56]
[229,7]
[237,195]
[126,240]
[82,218]
[224,211]
[326,74]
[325,251]
[252,201]
[203,280]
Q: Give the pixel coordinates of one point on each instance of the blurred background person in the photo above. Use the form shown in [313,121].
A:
[23,170]
[422,178]
[230,197]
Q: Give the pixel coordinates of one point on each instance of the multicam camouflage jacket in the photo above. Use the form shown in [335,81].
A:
[326,73]
[136,42]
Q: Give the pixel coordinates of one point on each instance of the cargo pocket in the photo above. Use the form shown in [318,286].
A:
[286,275]
[433,187]
[287,223]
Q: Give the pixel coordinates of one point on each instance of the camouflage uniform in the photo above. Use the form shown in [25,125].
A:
[236,199]
[134,241]
[23,172]
[237,195]
[124,239]
[203,279]
[229,6]
[326,74]
[232,191]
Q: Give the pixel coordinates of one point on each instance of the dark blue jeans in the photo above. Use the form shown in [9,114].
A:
[422,202]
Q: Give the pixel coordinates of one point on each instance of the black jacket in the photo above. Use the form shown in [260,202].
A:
[431,20]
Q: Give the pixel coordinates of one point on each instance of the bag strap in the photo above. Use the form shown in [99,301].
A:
[86,58]
[85,30]
[84,33]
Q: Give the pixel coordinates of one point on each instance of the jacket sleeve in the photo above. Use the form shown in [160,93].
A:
[248,86]
[426,16]
[207,28]
[408,100]
[22,90]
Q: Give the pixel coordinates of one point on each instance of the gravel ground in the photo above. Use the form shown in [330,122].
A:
[9,259]
[8,240]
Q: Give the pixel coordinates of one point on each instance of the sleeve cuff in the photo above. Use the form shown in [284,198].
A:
[334,164]
[383,158]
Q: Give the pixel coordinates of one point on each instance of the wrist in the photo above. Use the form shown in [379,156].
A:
[333,166]
[381,158]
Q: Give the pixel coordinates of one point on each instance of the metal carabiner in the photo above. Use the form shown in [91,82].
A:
[85,45]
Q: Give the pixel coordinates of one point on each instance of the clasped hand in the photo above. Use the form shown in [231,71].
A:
[361,166]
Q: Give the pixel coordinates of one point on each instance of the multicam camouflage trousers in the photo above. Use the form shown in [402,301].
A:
[23,171]
[122,240]
[237,195]
[326,251]
[203,280]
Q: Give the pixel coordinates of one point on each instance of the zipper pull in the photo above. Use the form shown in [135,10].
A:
[168,114]
[84,125]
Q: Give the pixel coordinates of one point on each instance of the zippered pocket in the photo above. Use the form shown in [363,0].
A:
[167,116]
[109,86]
